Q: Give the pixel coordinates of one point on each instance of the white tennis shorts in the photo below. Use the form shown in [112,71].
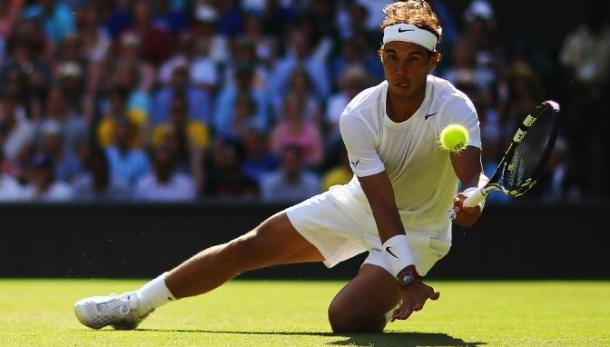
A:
[341,226]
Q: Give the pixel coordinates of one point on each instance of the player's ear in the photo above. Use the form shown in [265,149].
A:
[435,58]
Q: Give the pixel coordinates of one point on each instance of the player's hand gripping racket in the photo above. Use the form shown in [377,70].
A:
[526,157]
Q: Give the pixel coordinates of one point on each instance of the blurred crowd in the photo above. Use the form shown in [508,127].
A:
[178,100]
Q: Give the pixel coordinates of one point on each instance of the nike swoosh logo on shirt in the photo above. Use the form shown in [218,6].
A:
[388,249]
[401,30]
[429,115]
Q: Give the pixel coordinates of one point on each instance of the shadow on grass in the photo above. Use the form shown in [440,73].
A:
[402,339]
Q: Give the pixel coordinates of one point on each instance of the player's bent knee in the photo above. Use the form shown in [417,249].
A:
[344,321]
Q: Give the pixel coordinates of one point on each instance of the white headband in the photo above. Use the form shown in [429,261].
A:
[410,33]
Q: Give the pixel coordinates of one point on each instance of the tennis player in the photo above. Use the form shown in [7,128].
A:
[395,208]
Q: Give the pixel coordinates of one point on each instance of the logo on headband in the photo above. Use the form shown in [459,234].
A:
[401,30]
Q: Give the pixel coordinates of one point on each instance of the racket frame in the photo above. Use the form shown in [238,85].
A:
[481,193]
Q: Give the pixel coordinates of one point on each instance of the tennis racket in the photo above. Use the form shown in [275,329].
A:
[526,157]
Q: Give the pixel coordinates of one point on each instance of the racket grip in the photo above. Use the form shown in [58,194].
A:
[475,198]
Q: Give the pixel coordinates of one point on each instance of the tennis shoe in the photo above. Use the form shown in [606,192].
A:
[119,311]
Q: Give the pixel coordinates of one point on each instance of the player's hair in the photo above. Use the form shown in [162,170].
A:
[416,12]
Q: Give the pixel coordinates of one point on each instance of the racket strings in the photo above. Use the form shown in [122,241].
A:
[525,165]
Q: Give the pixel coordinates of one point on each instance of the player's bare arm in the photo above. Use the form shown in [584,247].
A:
[380,195]
[467,167]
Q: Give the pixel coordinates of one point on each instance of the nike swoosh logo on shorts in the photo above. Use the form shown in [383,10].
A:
[429,115]
[388,249]
[355,163]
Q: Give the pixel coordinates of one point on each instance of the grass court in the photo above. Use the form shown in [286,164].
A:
[293,313]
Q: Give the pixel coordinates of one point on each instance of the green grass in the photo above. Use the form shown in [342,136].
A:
[293,313]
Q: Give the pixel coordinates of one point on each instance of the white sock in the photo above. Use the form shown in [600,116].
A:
[154,294]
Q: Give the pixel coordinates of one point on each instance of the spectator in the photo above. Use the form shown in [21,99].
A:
[199,104]
[352,81]
[66,164]
[585,57]
[127,77]
[57,19]
[374,16]
[480,32]
[10,190]
[524,93]
[119,19]
[71,50]
[117,112]
[95,40]
[465,66]
[300,54]
[230,20]
[9,13]
[491,132]
[156,42]
[262,45]
[127,55]
[557,181]
[127,164]
[43,186]
[259,160]
[71,77]
[228,100]
[97,184]
[73,128]
[293,129]
[24,73]
[300,85]
[172,16]
[276,17]
[291,183]
[20,166]
[225,178]
[17,131]
[245,118]
[95,43]
[244,56]
[187,139]
[207,41]
[203,70]
[356,53]
[165,183]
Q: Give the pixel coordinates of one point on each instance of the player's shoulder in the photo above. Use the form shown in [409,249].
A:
[447,98]
[367,101]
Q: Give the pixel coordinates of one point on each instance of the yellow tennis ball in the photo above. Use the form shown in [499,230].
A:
[453,138]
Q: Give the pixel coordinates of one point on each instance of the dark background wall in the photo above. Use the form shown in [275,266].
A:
[544,24]
[526,241]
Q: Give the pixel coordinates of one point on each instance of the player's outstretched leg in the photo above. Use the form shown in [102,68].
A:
[273,242]
[362,305]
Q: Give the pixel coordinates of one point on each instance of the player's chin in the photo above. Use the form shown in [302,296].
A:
[402,90]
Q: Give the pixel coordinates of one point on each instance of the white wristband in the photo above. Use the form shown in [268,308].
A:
[483,180]
[398,253]
[469,191]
